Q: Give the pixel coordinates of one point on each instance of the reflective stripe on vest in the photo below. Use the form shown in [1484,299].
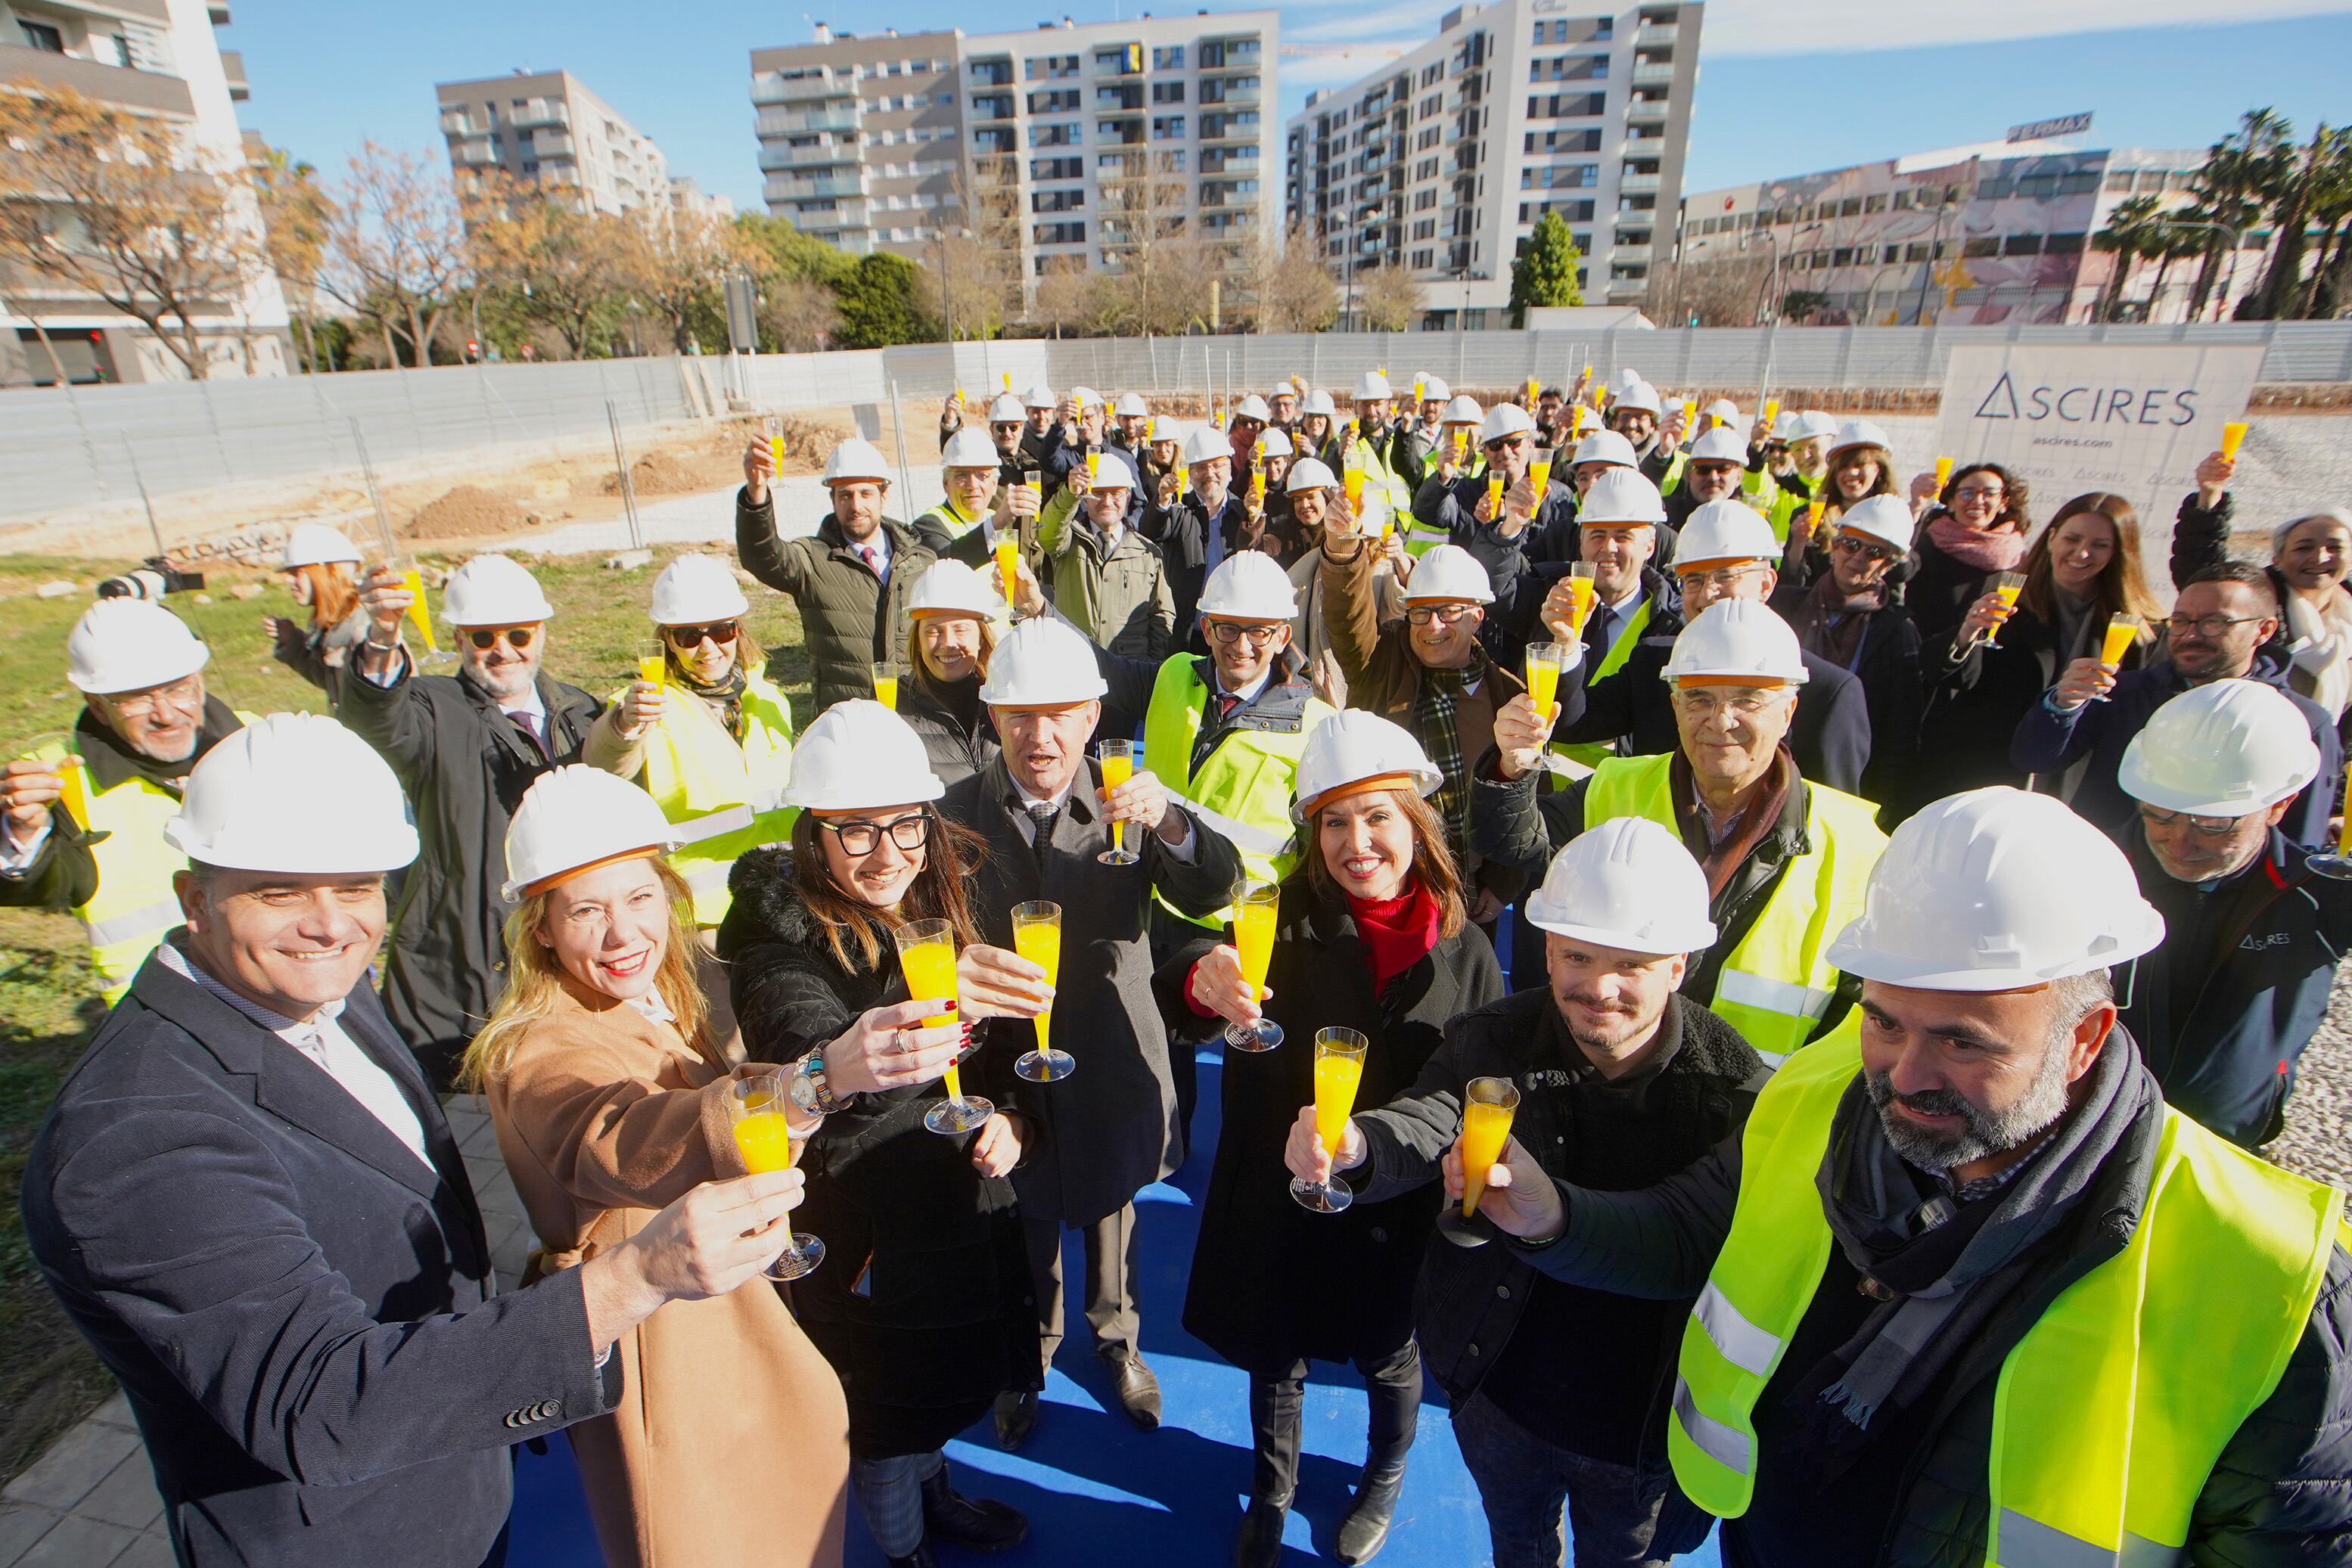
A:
[724,798]
[1776,984]
[950,520]
[1243,788]
[2102,1439]
[1591,753]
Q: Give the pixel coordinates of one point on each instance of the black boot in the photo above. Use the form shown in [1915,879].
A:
[1393,1386]
[1275,1407]
[1365,1529]
[976,1524]
[1259,1544]
[920,1557]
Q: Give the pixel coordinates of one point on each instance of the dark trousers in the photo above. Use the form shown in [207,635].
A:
[1613,1509]
[1110,1281]
[1168,934]
[1276,1403]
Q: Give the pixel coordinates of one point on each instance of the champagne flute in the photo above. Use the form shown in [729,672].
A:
[1037,936]
[72,775]
[2123,630]
[2233,431]
[1339,1068]
[1118,759]
[771,1138]
[1539,474]
[927,956]
[2007,586]
[1943,476]
[1487,1106]
[1253,921]
[1545,663]
[2337,863]
[886,684]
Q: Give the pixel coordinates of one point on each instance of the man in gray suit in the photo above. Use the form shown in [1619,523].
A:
[247,1200]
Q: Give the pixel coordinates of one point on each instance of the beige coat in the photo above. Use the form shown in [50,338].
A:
[731,1444]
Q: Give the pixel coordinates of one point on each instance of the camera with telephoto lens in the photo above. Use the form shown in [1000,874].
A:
[151,582]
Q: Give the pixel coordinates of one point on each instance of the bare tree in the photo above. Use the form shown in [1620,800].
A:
[673,264]
[397,249]
[125,208]
[1065,297]
[296,216]
[1157,267]
[571,270]
[970,279]
[1727,291]
[800,313]
[1290,290]
[1387,298]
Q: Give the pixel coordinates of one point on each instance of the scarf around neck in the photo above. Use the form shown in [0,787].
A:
[111,761]
[726,694]
[1998,550]
[1397,933]
[1440,735]
[1829,623]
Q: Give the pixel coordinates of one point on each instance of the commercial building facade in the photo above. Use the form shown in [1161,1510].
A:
[547,129]
[1443,161]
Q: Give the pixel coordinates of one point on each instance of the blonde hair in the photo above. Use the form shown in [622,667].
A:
[535,982]
[334,592]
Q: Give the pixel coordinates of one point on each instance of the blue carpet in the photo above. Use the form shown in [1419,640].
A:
[1096,1490]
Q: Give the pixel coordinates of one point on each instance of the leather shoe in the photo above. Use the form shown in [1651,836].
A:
[976,1524]
[1364,1528]
[920,1557]
[1016,1415]
[1259,1544]
[1138,1390]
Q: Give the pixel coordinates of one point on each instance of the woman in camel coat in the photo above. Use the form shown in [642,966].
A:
[733,1446]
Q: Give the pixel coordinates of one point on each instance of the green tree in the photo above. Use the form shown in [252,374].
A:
[2136,231]
[2241,171]
[878,304]
[791,254]
[1544,272]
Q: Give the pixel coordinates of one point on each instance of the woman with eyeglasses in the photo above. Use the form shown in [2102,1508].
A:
[2310,556]
[1975,527]
[710,738]
[923,1305]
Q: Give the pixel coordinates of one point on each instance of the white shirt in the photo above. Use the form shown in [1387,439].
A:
[1180,850]
[1248,693]
[879,541]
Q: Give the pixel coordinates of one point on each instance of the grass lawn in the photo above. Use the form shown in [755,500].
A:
[49,997]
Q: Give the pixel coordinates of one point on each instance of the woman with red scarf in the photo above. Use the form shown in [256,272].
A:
[1371,935]
[1975,526]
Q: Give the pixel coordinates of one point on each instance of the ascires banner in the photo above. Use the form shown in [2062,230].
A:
[2070,418]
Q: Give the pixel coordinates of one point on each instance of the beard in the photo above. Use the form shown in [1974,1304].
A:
[1983,1132]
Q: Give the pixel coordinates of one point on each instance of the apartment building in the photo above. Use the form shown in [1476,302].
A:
[1097,137]
[1995,232]
[156,57]
[545,128]
[687,197]
[1443,161]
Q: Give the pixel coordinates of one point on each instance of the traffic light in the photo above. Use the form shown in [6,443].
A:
[473,350]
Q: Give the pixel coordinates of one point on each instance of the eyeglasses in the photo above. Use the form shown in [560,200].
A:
[2205,826]
[1870,548]
[1740,702]
[1725,577]
[486,637]
[1979,493]
[863,838]
[721,633]
[1507,444]
[1443,614]
[1231,632]
[2208,625]
[186,694]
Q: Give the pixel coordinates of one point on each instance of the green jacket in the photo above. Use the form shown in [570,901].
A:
[850,618]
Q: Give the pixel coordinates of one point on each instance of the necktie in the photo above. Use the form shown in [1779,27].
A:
[528,722]
[1041,827]
[873,562]
[1226,703]
[1605,628]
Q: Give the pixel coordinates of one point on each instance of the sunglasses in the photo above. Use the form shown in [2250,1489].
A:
[721,633]
[1848,543]
[486,637]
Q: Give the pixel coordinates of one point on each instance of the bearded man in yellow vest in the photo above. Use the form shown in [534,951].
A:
[81,819]
[1786,858]
[1968,1291]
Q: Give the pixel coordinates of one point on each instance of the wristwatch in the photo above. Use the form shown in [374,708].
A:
[813,1073]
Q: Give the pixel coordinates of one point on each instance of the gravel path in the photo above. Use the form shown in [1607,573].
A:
[2318,1137]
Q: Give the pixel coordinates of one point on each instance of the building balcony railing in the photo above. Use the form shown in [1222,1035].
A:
[799,122]
[541,111]
[809,190]
[1629,180]
[773,157]
[118,85]
[775,89]
[1646,112]
[1623,254]
[558,146]
[1649,73]
[1655,35]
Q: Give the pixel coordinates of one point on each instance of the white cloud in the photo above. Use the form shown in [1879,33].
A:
[1818,26]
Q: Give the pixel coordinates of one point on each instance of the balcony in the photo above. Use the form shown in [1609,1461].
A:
[1233,97]
[1629,182]
[775,88]
[1646,112]
[818,188]
[474,150]
[1649,73]
[118,85]
[802,122]
[455,123]
[773,157]
[541,111]
[1628,254]
[557,146]
[233,67]
[1658,36]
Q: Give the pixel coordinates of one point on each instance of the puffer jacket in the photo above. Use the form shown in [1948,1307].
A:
[850,618]
[1118,595]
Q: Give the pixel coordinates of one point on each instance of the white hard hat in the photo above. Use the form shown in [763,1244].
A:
[1605,447]
[1625,883]
[1725,530]
[1112,471]
[1720,444]
[294,792]
[1318,401]
[1812,423]
[1308,473]
[1252,407]
[1039,396]
[1164,428]
[1275,443]
[129,645]
[1628,379]
[1724,411]
[855,460]
[1620,495]
[575,817]
[1132,406]
[858,754]
[1206,444]
[1450,574]
[2228,748]
[1738,639]
[1505,419]
[1005,409]
[1250,586]
[952,588]
[969,448]
[1463,410]
[1043,663]
[1434,391]
[1995,890]
[1883,517]
[1640,395]
[1083,397]
[1352,746]
[1371,385]
[1860,433]
[1785,428]
[316,544]
[492,591]
[695,590]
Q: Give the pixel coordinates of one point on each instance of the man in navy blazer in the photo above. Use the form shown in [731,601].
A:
[246,1199]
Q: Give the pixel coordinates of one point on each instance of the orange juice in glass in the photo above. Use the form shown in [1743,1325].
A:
[1037,936]
[759,1112]
[1943,474]
[1118,759]
[1338,1071]
[1008,561]
[2123,630]
[1544,660]
[73,788]
[2233,433]
[1487,1107]
[1253,922]
[1771,414]
[1352,481]
[654,670]
[1535,390]
[885,686]
[420,615]
[1539,472]
[927,956]
[1494,497]
[2006,587]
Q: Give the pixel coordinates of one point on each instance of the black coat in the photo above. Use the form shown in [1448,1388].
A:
[1110,1128]
[956,749]
[1181,532]
[1272,1283]
[1974,702]
[925,1307]
[465,766]
[1942,587]
[299,1310]
[1829,733]
[1888,668]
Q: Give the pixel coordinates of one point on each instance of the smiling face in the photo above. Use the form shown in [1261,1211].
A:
[1636,424]
[1510,456]
[1713,479]
[1244,650]
[1367,842]
[1006,434]
[1443,635]
[1960,1077]
[880,877]
[971,489]
[709,654]
[1618,553]
[1712,583]
[1610,997]
[503,670]
[1134,427]
[1045,748]
[2228,650]
[2199,848]
[292,943]
[1106,506]
[1859,562]
[2315,555]
[2080,550]
[948,646]
[162,723]
[1729,732]
[1211,479]
[1977,497]
[857,508]
[608,927]
[1857,472]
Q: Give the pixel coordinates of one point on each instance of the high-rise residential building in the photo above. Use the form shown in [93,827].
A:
[151,57]
[545,128]
[1443,161]
[1082,140]
[1996,232]
[686,196]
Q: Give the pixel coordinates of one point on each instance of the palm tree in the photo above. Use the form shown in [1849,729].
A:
[2282,281]
[2231,188]
[2131,228]
[2330,205]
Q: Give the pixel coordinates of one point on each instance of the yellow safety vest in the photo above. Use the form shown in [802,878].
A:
[1777,982]
[1592,753]
[134,905]
[2110,1413]
[951,520]
[1243,788]
[725,798]
[1379,476]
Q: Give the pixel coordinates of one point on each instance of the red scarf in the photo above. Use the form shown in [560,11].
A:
[1397,933]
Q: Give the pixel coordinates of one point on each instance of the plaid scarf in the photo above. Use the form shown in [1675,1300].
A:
[1433,725]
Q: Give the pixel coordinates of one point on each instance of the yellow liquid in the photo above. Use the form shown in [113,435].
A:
[1008,563]
[2232,433]
[1690,412]
[1257,484]
[74,793]
[1540,472]
[1352,481]
[1042,946]
[1543,683]
[1771,414]
[2007,593]
[652,669]
[1534,389]
[418,614]
[1008,381]
[2344,843]
[2119,639]
[1461,443]
[1335,1078]
[1495,496]
[930,971]
[1485,1128]
[1094,464]
[776,452]
[954,1080]
[1116,771]
[1580,589]
[886,691]
[765,1141]
[1943,473]
[1254,941]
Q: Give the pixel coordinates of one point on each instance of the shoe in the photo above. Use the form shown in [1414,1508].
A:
[1138,1390]
[1016,1415]
[920,1557]
[1259,1544]
[976,1524]
[1365,1528]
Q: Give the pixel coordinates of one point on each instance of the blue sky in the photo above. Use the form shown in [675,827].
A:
[1773,99]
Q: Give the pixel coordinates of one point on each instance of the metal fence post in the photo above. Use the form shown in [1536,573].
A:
[628,483]
[899,429]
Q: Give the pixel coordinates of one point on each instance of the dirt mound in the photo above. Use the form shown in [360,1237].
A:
[468,512]
[663,472]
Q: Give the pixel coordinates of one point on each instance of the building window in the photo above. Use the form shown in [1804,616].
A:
[42,37]
[1986,245]
[1057,168]
[1059,233]
[2064,245]
[1055,100]
[123,52]
[1049,66]
[2021,244]
[1167,58]
[1168,92]
[1168,128]
[1054,135]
